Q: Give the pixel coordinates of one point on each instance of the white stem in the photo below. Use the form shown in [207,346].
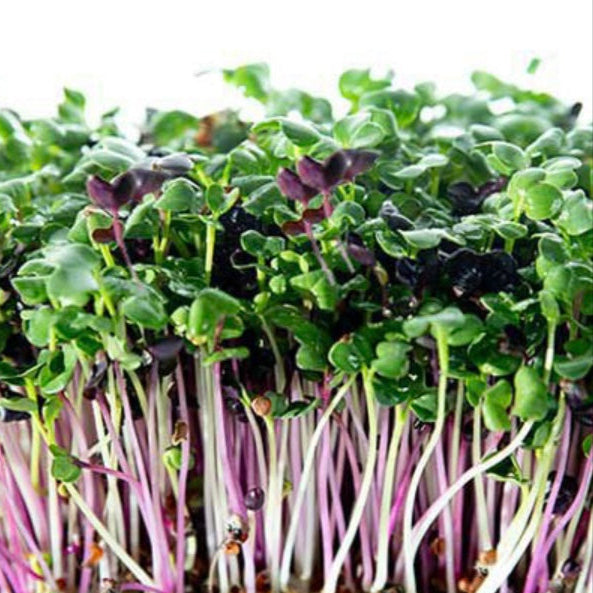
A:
[307,467]
[501,571]
[108,538]
[455,438]
[365,486]
[409,545]
[401,414]
[438,505]
[482,511]
[587,571]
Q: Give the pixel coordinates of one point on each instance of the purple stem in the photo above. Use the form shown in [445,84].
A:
[139,587]
[236,502]
[327,207]
[538,569]
[8,489]
[159,552]
[118,233]
[100,469]
[457,504]
[365,540]
[31,499]
[403,487]
[576,503]
[337,515]
[163,569]
[7,572]
[324,515]
[182,486]
[20,564]
[446,519]
[89,491]
[318,255]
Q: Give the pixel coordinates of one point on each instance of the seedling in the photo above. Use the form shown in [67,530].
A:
[305,353]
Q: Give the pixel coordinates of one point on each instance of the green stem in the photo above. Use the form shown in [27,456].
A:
[509,244]
[35,439]
[210,242]
[550,348]
[434,183]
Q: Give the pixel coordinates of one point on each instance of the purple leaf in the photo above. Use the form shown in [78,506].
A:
[166,349]
[357,162]
[312,173]
[103,235]
[292,187]
[102,194]
[293,227]
[464,198]
[313,216]
[491,187]
[323,176]
[165,352]
[334,168]
[393,217]
[363,255]
[136,183]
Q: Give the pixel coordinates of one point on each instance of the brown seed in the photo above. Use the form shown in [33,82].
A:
[180,433]
[262,582]
[232,548]
[487,558]
[465,585]
[262,405]
[94,557]
[437,546]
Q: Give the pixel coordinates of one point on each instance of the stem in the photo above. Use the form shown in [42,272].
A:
[438,505]
[549,360]
[445,522]
[367,480]
[123,556]
[210,242]
[588,553]
[273,513]
[481,509]
[182,485]
[118,233]
[307,467]
[317,252]
[327,207]
[233,488]
[410,546]
[401,414]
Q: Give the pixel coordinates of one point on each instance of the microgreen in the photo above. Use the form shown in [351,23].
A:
[333,353]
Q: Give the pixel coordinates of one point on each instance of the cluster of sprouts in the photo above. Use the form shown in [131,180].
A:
[304,354]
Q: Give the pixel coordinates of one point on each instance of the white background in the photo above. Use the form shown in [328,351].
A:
[143,53]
